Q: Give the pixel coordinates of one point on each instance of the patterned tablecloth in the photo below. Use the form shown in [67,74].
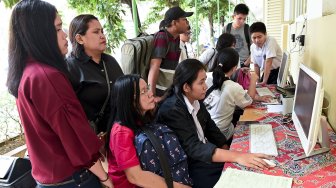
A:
[316,171]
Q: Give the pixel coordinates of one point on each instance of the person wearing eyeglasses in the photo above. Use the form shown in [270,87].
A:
[184,39]
[135,111]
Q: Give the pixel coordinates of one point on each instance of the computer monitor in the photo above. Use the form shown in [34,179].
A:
[307,109]
[283,71]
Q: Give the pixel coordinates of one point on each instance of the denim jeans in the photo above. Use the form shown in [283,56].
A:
[82,178]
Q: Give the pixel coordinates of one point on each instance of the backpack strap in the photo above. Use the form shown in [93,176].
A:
[162,156]
[247,35]
[209,91]
[214,52]
[228,27]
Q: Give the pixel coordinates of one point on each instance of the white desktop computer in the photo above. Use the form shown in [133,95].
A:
[282,82]
[307,111]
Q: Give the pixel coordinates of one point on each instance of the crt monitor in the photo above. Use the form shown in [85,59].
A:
[307,108]
[283,71]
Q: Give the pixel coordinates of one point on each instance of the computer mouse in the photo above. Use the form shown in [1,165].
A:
[271,163]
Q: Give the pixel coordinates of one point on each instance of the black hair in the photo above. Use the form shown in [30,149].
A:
[227,59]
[258,27]
[162,25]
[32,33]
[225,40]
[125,104]
[241,9]
[79,25]
[185,73]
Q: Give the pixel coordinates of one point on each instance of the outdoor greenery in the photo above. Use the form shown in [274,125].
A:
[207,9]
[110,13]
[9,117]
[9,3]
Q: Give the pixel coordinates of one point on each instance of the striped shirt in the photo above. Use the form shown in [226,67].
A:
[168,49]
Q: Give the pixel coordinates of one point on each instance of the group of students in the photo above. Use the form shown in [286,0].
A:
[61,101]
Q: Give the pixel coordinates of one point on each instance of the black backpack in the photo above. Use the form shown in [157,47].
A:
[246,33]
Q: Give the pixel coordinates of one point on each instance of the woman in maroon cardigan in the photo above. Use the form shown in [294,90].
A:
[63,150]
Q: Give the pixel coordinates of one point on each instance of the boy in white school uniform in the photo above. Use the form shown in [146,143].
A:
[266,54]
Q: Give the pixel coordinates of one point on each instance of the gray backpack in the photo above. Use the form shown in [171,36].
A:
[136,55]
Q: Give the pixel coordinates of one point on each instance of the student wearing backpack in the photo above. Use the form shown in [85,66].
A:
[91,69]
[134,112]
[208,57]
[240,30]
[224,94]
[166,53]
[266,54]
[206,147]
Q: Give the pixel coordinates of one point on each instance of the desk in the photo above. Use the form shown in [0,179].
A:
[316,171]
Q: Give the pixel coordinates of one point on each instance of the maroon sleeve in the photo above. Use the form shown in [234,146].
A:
[60,108]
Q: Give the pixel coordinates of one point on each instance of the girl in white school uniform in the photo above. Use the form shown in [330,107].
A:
[224,94]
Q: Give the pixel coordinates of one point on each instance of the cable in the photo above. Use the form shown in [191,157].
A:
[298,38]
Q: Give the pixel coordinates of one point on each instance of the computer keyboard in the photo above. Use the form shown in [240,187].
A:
[262,91]
[262,139]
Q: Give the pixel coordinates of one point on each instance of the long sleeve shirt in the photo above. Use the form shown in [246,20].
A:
[58,137]
[89,82]
[174,113]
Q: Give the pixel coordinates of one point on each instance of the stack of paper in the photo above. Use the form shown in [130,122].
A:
[5,164]
[234,178]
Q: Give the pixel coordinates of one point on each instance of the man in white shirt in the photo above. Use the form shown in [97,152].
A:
[184,39]
[266,54]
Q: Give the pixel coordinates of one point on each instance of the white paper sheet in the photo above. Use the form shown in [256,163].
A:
[234,178]
[5,164]
[274,108]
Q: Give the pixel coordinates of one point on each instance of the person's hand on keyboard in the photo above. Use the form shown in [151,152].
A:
[253,160]
[265,98]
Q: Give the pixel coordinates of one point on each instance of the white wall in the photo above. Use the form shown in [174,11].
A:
[314,9]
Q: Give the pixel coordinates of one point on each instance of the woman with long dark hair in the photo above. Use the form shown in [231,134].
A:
[93,72]
[205,145]
[133,103]
[63,150]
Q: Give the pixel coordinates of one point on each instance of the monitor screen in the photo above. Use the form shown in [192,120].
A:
[304,103]
[283,71]
[307,108]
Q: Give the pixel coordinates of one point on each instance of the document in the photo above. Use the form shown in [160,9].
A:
[274,108]
[5,163]
[234,178]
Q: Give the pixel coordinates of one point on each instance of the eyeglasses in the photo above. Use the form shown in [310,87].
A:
[145,90]
[188,33]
